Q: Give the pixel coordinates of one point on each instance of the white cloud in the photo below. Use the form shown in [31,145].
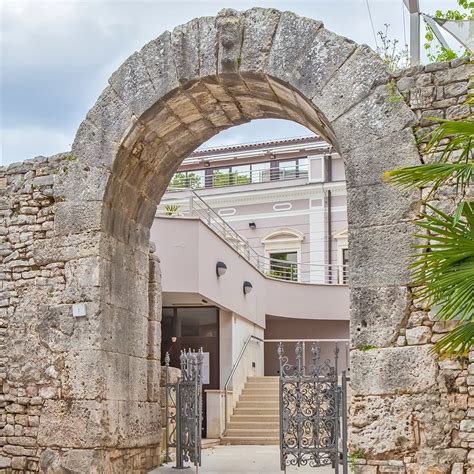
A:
[57,55]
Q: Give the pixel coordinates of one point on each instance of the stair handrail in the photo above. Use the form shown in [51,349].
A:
[232,372]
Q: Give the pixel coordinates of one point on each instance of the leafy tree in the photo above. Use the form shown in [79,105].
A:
[224,178]
[435,51]
[183,180]
[443,274]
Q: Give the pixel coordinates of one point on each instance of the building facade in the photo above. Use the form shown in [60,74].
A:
[271,215]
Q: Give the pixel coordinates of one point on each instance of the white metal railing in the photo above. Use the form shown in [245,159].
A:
[187,203]
[219,179]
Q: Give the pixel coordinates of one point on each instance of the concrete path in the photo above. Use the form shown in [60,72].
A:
[242,459]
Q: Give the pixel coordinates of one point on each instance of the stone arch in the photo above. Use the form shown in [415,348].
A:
[164,101]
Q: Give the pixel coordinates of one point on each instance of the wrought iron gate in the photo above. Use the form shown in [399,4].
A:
[184,409]
[313,411]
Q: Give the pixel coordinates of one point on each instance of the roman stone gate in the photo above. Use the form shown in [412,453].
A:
[80,394]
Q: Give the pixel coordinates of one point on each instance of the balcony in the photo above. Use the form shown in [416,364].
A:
[220,178]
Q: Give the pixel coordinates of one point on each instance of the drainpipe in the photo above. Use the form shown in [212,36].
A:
[328,163]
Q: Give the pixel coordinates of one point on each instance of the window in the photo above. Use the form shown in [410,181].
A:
[284,265]
[283,249]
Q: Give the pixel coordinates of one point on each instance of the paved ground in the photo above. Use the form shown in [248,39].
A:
[242,459]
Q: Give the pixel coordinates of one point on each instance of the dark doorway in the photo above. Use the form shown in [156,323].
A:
[193,327]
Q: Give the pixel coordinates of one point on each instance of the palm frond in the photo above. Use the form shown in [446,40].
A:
[455,140]
[431,175]
[457,342]
[444,272]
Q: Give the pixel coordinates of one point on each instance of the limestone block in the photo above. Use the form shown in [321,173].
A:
[74,423]
[81,183]
[83,279]
[111,115]
[229,26]
[124,331]
[380,255]
[366,164]
[324,56]
[185,47]
[353,81]
[377,315]
[133,85]
[92,146]
[159,61]
[381,204]
[381,425]
[207,46]
[288,49]
[418,335]
[395,370]
[79,460]
[375,117]
[456,89]
[77,217]
[259,27]
[133,423]
[449,75]
[365,470]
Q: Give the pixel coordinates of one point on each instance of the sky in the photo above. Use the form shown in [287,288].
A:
[57,55]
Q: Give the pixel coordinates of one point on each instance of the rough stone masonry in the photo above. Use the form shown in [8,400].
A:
[81,394]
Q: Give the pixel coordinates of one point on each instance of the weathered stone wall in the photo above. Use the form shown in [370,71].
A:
[40,338]
[433,427]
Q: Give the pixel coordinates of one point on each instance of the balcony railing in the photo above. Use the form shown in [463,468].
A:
[221,179]
[187,203]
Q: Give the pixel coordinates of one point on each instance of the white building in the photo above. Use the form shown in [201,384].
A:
[255,251]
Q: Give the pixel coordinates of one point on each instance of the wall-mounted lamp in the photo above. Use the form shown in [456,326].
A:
[252,225]
[221,268]
[174,339]
[247,288]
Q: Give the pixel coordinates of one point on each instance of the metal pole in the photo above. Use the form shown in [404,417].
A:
[413,8]
[179,454]
[345,468]
[167,408]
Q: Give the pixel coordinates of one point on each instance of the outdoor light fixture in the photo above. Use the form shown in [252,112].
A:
[221,268]
[252,225]
[174,339]
[247,287]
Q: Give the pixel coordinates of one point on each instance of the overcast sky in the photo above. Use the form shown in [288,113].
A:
[56,57]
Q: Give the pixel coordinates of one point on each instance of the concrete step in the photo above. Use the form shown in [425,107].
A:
[260,391]
[268,378]
[259,398]
[249,425]
[257,411]
[261,440]
[253,433]
[268,383]
[255,418]
[258,404]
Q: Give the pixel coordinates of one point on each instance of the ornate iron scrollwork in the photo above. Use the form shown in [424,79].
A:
[184,409]
[312,411]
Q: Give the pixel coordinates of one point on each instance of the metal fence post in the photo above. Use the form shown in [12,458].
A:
[179,453]
[345,468]
[167,407]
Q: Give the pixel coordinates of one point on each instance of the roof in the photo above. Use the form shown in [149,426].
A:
[255,145]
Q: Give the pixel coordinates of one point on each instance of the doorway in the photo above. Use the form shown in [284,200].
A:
[193,327]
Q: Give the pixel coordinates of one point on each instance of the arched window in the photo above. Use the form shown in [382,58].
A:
[283,250]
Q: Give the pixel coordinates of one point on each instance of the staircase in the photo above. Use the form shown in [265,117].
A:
[255,419]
